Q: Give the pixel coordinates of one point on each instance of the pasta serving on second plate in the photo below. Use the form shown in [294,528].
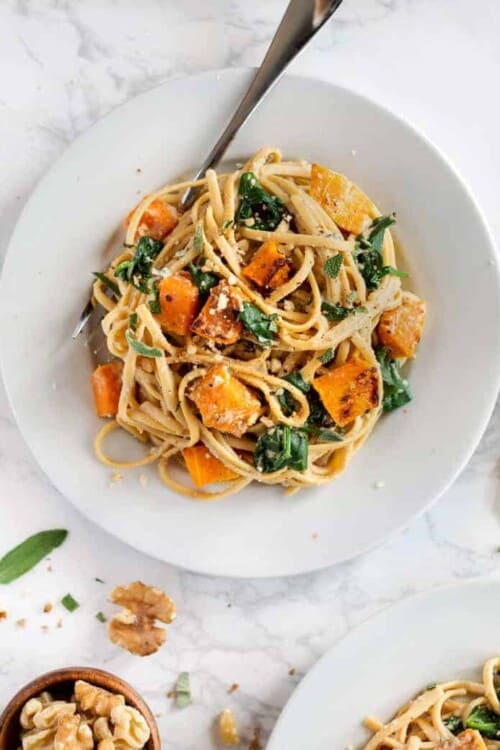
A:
[260,334]
[457,715]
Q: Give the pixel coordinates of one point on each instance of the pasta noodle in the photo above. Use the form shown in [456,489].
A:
[272,341]
[457,715]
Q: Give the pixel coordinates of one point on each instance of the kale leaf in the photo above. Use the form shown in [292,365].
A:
[396,390]
[262,326]
[137,270]
[486,721]
[332,265]
[286,399]
[368,253]
[281,447]
[335,313]
[454,724]
[204,281]
[265,209]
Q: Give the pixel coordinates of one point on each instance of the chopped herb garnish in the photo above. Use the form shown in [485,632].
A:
[262,326]
[143,349]
[182,690]
[368,253]
[323,435]
[281,447]
[264,210]
[335,313]
[396,390]
[485,721]
[108,283]
[198,239]
[99,580]
[132,321]
[70,603]
[26,555]
[154,302]
[101,617]
[332,265]
[431,686]
[453,723]
[327,356]
[203,280]
[137,270]
[227,224]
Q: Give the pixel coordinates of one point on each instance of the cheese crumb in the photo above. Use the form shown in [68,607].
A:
[190,349]
[116,477]
[143,480]
[21,623]
[232,279]
[379,484]
[288,305]
[223,301]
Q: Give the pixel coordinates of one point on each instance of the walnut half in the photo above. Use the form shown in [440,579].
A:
[134,628]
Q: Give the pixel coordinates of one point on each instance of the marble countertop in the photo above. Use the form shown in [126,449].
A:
[65,64]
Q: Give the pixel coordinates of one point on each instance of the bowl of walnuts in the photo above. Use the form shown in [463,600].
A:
[78,708]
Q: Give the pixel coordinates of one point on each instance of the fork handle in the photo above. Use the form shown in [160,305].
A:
[302,19]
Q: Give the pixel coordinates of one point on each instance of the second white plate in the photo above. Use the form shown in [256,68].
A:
[64,234]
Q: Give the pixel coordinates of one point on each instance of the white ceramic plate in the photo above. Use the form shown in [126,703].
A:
[440,635]
[64,233]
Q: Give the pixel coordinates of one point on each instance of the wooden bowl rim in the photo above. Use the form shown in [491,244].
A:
[98,677]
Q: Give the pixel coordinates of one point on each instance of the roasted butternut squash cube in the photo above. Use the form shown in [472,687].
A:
[218,319]
[348,391]
[269,267]
[204,467]
[225,403]
[107,386]
[343,201]
[400,330]
[157,221]
[468,740]
[180,302]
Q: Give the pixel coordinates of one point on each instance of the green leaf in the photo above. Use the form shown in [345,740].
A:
[99,580]
[143,349]
[286,399]
[368,253]
[485,721]
[137,270]
[327,356]
[281,447]
[262,326]
[26,555]
[227,224]
[132,321]
[264,209]
[70,603]
[154,303]
[332,265]
[198,239]
[204,281]
[101,617]
[453,723]
[377,230]
[396,390]
[335,313]
[182,690]
[323,435]
[108,283]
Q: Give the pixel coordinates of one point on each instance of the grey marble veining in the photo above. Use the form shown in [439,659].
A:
[63,65]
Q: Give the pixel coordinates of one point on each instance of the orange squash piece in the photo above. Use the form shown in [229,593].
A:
[470,739]
[157,221]
[269,267]
[348,391]
[225,403]
[400,329]
[343,201]
[107,385]
[204,467]
[180,302]
[218,319]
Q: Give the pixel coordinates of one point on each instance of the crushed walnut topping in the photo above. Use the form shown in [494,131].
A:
[134,628]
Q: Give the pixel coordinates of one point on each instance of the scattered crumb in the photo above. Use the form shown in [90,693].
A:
[47,607]
[49,568]
[143,480]
[234,687]
[255,743]
[44,628]
[3,614]
[229,605]
[354,152]
[158,716]
[27,592]
[170,693]
[116,478]
[54,386]
[315,535]
[59,624]
[267,422]
[379,484]
[291,671]
[21,623]
[138,170]
[191,349]
[288,305]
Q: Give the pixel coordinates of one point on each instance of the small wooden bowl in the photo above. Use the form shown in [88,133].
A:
[60,684]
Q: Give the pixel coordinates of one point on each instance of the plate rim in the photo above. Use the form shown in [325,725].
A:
[474,438]
[366,624]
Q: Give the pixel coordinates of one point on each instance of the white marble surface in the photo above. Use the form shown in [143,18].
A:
[63,65]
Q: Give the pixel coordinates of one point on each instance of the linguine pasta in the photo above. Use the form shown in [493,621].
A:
[457,715]
[271,341]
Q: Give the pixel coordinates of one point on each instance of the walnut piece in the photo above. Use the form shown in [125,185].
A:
[130,727]
[95,700]
[134,628]
[72,734]
[228,731]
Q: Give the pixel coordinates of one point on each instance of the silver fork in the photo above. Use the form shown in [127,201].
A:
[301,21]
